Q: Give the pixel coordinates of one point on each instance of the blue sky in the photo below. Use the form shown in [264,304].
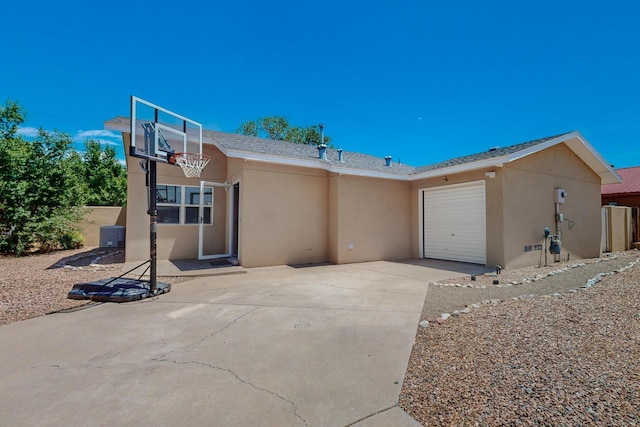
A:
[422,81]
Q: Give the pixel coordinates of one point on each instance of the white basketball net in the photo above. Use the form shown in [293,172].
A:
[191,163]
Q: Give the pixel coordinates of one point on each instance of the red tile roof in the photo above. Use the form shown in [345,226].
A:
[630,182]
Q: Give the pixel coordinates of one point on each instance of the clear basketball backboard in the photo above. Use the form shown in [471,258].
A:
[157,133]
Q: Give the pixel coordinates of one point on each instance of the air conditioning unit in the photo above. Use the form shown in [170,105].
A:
[112,236]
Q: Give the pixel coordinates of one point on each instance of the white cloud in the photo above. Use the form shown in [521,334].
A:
[94,134]
[28,131]
[106,141]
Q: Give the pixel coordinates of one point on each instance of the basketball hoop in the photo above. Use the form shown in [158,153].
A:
[191,163]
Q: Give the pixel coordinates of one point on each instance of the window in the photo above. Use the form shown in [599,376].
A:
[179,204]
[169,198]
[192,202]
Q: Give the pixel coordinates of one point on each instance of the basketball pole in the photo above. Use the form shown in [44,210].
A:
[153,226]
[153,221]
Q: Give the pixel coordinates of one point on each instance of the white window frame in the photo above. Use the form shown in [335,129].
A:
[182,205]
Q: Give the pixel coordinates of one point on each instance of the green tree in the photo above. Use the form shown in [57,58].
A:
[249,128]
[41,197]
[279,128]
[104,176]
[11,116]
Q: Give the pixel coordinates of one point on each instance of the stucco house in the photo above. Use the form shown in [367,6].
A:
[274,203]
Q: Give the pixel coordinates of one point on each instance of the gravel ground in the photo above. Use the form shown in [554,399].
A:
[571,359]
[456,294]
[38,284]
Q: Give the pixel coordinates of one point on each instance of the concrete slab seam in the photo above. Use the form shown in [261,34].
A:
[243,381]
[369,290]
[307,307]
[391,274]
[163,359]
[206,337]
[373,415]
[304,307]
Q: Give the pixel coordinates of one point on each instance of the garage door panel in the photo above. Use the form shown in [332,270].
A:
[454,223]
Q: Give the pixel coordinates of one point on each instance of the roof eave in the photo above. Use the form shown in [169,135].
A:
[111,125]
[574,140]
[496,162]
[596,162]
[579,145]
[259,157]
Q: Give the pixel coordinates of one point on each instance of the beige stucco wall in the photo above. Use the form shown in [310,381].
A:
[292,215]
[333,218]
[296,215]
[174,241]
[529,206]
[98,216]
[369,219]
[283,213]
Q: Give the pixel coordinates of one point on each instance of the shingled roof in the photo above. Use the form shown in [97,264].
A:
[491,153]
[246,146]
[282,152]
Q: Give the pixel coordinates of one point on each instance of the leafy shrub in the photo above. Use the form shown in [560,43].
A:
[42,193]
[72,240]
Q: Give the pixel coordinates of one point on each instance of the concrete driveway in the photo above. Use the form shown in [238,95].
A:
[282,346]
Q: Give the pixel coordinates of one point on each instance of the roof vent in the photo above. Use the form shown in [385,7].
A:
[493,148]
[340,159]
[322,151]
[388,160]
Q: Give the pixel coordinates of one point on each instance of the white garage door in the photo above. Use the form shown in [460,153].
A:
[454,223]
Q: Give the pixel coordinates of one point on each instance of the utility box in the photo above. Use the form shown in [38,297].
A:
[560,195]
[112,236]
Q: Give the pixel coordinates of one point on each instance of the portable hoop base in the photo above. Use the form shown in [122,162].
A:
[121,289]
[191,163]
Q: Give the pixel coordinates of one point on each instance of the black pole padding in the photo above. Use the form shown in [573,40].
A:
[153,226]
